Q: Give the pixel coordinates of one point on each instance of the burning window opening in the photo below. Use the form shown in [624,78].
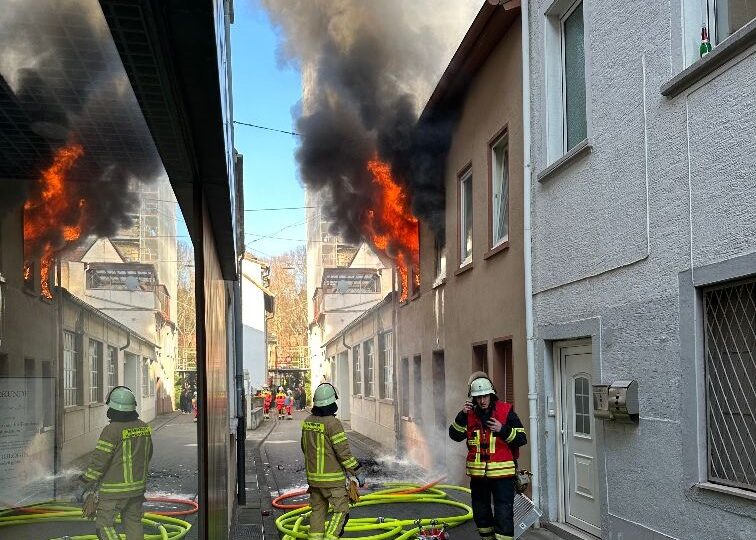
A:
[53,218]
[391,226]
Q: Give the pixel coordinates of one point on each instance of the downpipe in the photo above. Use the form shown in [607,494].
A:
[527,256]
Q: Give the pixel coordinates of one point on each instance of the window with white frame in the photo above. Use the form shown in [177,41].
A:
[112,368]
[368,351]
[386,364]
[95,371]
[729,352]
[565,77]
[719,18]
[356,371]
[71,385]
[465,218]
[499,191]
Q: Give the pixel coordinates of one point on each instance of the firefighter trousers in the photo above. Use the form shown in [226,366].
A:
[496,523]
[131,518]
[319,499]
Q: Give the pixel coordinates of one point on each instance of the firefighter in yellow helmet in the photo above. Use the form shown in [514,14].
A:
[118,468]
[494,435]
[328,460]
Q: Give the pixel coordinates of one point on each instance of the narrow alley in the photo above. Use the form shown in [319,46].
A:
[283,472]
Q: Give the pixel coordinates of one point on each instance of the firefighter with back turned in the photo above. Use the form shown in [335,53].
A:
[328,459]
[494,434]
[118,468]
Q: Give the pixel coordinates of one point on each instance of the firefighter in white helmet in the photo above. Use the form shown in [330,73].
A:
[328,460]
[119,466]
[494,436]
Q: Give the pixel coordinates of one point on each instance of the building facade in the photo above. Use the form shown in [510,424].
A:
[360,364]
[643,242]
[468,314]
[257,304]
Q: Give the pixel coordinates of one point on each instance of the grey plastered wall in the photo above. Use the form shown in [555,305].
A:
[668,186]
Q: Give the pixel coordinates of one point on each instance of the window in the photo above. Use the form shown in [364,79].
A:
[404,388]
[417,377]
[729,350]
[145,377]
[465,218]
[368,346]
[356,371]
[573,77]
[70,369]
[95,371]
[502,372]
[567,123]
[112,368]
[582,406]
[351,283]
[725,17]
[439,252]
[386,364]
[480,357]
[499,191]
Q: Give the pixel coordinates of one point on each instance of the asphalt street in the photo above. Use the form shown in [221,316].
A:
[283,460]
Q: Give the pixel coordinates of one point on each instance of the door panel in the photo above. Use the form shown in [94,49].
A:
[580,476]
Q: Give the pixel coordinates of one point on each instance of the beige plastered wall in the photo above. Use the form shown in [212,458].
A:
[486,302]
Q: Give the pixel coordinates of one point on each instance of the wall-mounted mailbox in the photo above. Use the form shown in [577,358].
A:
[623,401]
[601,401]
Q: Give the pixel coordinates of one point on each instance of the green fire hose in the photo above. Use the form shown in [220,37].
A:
[168,528]
[290,523]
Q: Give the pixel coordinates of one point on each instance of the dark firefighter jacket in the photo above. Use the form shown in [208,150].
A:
[121,460]
[326,451]
[490,454]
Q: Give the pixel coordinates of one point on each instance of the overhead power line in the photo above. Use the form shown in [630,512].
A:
[281,208]
[267,128]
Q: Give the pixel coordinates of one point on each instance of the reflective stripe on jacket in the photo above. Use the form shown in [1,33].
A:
[487,454]
[326,450]
[121,460]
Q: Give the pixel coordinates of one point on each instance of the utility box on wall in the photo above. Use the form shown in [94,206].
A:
[617,401]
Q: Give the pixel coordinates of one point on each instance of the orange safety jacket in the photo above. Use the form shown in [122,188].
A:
[267,398]
[280,397]
[487,456]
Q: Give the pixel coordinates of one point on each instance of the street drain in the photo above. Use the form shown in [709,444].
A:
[249,532]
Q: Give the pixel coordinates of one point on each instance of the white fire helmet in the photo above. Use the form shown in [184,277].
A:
[481,386]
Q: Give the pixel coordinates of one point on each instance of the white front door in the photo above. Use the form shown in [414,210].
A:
[579,470]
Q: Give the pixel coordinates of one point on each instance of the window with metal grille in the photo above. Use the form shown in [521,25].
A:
[730,356]
[112,368]
[369,369]
[356,371]
[386,364]
[96,371]
[70,371]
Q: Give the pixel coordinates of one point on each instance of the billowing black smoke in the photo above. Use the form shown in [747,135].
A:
[367,68]
[62,83]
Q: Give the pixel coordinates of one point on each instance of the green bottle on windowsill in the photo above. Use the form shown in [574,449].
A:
[705,47]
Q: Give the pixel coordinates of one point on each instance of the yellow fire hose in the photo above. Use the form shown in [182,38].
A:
[168,528]
[290,523]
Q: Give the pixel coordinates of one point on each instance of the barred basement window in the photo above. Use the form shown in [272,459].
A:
[730,355]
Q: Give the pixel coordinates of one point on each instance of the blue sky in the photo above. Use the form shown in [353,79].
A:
[265,93]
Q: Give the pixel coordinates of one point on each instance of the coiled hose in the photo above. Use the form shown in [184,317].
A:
[291,523]
[166,527]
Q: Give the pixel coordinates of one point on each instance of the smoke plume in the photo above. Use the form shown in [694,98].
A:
[367,68]
[62,83]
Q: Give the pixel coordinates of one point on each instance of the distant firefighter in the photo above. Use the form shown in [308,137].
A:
[267,400]
[289,403]
[280,400]
[118,468]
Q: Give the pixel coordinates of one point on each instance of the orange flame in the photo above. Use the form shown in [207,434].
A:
[48,215]
[391,226]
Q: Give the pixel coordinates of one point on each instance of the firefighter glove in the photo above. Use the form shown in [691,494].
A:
[360,476]
[89,508]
